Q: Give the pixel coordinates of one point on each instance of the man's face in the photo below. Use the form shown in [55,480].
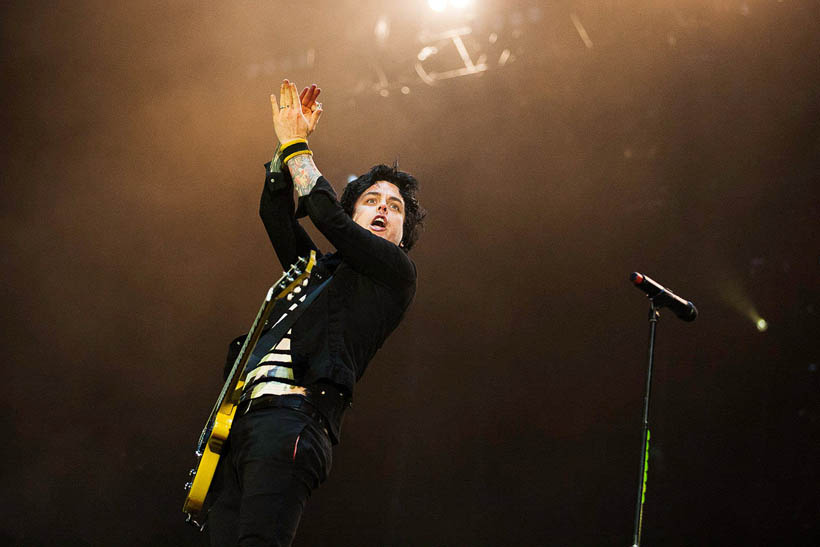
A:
[380,209]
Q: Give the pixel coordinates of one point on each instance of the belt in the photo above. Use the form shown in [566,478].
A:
[298,403]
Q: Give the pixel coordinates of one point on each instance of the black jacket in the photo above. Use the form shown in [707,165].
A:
[373,284]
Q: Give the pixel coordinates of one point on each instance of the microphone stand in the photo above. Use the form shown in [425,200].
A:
[654,314]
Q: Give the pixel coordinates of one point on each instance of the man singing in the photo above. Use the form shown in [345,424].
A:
[279,448]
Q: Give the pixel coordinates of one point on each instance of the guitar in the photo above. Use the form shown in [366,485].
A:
[218,427]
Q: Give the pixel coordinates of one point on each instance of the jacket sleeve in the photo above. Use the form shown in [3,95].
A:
[367,253]
[276,207]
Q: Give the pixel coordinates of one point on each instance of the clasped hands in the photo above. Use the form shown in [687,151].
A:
[296,114]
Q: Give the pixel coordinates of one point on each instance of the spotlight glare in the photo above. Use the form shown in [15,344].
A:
[460,3]
[762,325]
[437,5]
[426,52]
[382,30]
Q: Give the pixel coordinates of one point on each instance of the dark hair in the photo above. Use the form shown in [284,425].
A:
[408,188]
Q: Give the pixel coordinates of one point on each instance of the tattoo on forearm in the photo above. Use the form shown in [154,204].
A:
[304,173]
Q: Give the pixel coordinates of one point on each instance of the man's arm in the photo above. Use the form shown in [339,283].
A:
[304,173]
[276,207]
[309,105]
[367,253]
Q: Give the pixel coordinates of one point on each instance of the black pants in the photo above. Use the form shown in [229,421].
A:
[275,457]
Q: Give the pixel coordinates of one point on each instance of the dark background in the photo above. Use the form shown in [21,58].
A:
[678,138]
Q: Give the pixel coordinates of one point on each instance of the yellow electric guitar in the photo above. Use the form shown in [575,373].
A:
[218,426]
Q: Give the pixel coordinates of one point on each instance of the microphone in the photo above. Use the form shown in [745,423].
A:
[662,296]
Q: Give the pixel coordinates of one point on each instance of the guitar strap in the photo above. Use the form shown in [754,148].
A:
[281,327]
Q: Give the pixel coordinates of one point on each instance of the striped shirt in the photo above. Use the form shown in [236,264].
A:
[274,373]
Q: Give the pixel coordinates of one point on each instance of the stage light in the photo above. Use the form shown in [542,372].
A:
[733,293]
[382,30]
[460,3]
[437,5]
[426,52]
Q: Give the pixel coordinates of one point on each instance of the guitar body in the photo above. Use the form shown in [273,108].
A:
[205,467]
[218,427]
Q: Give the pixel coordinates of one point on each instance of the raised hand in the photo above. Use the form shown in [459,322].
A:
[310,105]
[289,115]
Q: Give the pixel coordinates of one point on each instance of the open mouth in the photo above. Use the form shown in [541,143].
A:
[379,224]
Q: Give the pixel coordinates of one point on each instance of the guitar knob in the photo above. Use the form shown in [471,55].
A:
[192,473]
[188,486]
